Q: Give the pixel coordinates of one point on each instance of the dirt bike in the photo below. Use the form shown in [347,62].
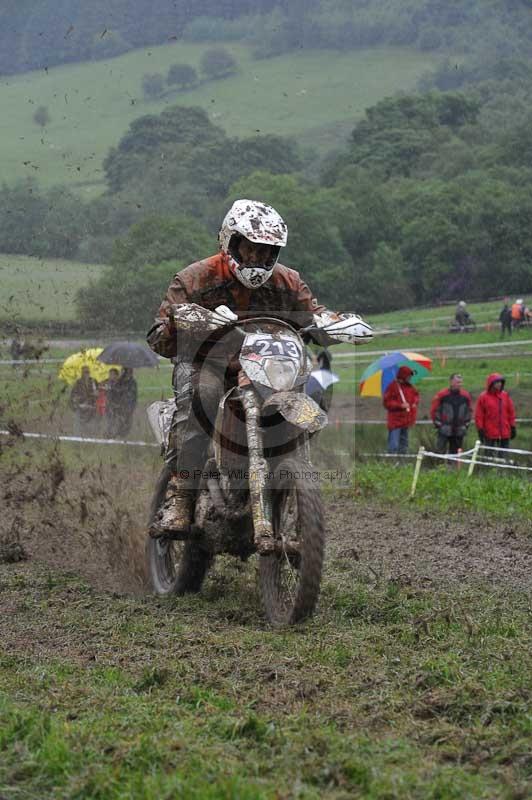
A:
[258,491]
[468,327]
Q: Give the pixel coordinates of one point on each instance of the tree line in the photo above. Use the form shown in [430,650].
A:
[50,32]
[215,63]
[35,35]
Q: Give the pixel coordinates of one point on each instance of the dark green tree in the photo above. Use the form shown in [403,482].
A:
[217,62]
[41,223]
[315,246]
[397,132]
[178,125]
[41,116]
[129,292]
[382,283]
[182,75]
[152,85]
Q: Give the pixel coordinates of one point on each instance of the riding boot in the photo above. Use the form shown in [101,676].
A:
[176,513]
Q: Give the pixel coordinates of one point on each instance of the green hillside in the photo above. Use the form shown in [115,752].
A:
[41,289]
[92,104]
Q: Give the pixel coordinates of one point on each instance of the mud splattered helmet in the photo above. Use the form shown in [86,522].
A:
[260,224]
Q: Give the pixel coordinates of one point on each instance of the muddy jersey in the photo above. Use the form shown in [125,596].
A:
[210,283]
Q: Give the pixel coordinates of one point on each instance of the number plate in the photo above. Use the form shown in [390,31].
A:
[261,346]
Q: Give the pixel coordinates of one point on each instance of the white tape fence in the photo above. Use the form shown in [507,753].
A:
[79,439]
[473,458]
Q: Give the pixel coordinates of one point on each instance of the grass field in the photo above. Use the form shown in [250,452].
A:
[393,693]
[401,689]
[41,289]
[92,104]
[408,684]
[436,319]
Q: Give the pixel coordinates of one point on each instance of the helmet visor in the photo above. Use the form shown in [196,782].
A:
[255,255]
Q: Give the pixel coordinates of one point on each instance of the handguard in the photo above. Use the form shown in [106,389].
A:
[348,328]
[192,318]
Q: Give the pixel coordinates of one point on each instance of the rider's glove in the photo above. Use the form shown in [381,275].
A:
[481,436]
[513,432]
[192,318]
[225,314]
[344,327]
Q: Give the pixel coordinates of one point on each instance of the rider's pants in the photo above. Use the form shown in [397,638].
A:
[197,392]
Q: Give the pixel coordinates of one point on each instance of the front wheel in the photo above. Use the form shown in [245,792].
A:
[290,578]
[174,567]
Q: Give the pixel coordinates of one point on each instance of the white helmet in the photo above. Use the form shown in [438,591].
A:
[258,223]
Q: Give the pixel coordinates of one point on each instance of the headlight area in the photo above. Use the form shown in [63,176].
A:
[281,374]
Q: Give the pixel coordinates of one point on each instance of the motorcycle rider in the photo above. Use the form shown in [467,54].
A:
[243,280]
[462,316]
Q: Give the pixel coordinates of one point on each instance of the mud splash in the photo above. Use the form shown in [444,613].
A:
[90,521]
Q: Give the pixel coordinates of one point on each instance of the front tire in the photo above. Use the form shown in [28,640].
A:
[174,567]
[290,582]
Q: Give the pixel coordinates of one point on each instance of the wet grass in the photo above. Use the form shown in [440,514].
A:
[391,692]
[489,491]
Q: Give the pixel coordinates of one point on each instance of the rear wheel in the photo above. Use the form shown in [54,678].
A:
[290,578]
[175,567]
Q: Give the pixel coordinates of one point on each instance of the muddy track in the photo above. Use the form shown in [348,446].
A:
[93,525]
[419,548]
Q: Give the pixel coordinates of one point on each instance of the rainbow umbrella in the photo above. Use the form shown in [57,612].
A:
[71,368]
[377,377]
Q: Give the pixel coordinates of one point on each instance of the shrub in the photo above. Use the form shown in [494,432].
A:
[217,62]
[182,75]
[152,85]
[41,116]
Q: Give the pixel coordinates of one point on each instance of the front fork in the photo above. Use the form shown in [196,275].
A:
[261,507]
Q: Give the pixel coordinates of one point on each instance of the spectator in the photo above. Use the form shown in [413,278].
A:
[104,403]
[321,380]
[83,403]
[401,400]
[495,413]
[101,400]
[451,413]
[102,410]
[121,404]
[505,318]
[518,313]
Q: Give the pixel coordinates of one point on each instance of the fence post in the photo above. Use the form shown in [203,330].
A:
[474,457]
[419,459]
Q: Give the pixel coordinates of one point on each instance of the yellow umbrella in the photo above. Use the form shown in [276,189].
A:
[70,372]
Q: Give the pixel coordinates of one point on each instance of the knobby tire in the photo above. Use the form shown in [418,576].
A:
[289,606]
[174,567]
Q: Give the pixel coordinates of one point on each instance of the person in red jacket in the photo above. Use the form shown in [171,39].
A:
[401,400]
[495,413]
[451,413]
